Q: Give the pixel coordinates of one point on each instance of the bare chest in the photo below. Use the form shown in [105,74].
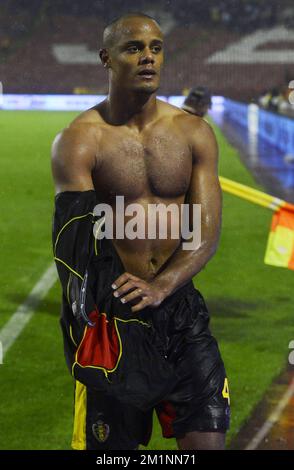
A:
[157,163]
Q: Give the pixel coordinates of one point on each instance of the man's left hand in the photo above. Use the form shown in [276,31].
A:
[150,293]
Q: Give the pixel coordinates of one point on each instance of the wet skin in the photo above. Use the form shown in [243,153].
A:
[139,147]
[148,151]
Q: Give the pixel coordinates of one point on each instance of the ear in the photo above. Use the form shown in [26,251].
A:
[104,57]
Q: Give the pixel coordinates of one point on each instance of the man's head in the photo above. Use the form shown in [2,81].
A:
[198,101]
[133,52]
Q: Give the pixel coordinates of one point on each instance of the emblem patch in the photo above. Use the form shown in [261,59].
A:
[101,430]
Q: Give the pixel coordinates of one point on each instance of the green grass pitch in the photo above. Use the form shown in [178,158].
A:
[251,304]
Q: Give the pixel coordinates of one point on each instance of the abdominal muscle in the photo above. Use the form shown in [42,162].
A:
[143,257]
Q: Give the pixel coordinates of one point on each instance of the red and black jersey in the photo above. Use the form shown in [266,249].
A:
[107,347]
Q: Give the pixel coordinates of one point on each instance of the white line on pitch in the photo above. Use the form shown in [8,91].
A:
[15,325]
[272,419]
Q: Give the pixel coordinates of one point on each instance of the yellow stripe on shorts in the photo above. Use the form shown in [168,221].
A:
[80,411]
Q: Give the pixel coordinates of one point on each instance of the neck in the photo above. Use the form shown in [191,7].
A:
[135,109]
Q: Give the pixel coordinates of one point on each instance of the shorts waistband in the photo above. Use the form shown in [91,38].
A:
[179,293]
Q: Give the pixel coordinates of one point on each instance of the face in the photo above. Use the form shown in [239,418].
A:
[136,57]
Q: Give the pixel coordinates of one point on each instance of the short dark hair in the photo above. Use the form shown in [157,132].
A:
[198,96]
[110,28]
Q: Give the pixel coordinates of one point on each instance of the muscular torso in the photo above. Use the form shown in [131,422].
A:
[151,166]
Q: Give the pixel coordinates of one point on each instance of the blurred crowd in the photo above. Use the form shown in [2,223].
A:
[245,15]
[238,15]
[210,20]
[279,100]
[17,16]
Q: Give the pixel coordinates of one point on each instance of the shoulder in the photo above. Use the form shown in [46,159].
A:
[75,147]
[169,110]
[193,127]
[82,134]
[200,138]
[92,117]
[74,156]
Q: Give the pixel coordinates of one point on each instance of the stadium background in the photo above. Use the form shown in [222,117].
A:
[241,50]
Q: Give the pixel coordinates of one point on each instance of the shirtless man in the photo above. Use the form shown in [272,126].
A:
[133,144]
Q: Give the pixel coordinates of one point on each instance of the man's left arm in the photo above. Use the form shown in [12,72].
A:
[205,190]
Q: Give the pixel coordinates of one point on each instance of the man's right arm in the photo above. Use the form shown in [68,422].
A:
[73,161]
[74,153]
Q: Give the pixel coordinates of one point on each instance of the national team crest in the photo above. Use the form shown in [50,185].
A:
[101,430]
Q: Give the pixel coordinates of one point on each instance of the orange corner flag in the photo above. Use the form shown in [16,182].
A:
[280,245]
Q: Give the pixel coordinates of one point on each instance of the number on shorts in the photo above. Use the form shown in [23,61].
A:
[225,392]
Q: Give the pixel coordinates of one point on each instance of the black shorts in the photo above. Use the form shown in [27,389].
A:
[199,400]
